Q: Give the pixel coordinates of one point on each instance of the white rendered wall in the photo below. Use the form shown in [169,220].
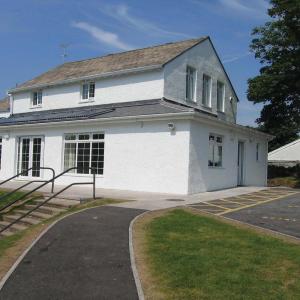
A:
[134,87]
[203,58]
[204,178]
[138,156]
[289,152]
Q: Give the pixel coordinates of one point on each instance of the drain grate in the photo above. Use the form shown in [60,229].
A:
[175,200]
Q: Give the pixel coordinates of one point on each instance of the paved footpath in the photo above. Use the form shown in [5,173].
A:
[84,256]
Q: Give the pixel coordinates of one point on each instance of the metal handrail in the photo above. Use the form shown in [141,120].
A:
[52,180]
[26,171]
[47,200]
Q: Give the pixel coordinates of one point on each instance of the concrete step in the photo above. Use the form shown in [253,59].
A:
[14,228]
[46,209]
[60,203]
[36,213]
[6,233]
[26,221]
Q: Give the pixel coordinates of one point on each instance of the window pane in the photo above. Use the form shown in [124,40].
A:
[34,99]
[69,137]
[70,156]
[206,90]
[97,161]
[83,158]
[36,157]
[220,96]
[211,154]
[85,91]
[92,90]
[218,156]
[84,137]
[98,136]
[25,156]
[39,97]
[190,83]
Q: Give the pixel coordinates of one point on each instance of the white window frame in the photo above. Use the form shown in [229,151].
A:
[208,104]
[89,97]
[215,147]
[222,108]
[193,72]
[76,141]
[39,99]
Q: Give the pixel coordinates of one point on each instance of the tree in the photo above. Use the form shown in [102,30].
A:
[277,46]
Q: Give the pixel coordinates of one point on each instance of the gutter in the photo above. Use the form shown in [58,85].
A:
[89,77]
[174,116]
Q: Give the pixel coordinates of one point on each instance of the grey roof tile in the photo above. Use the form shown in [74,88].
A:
[155,55]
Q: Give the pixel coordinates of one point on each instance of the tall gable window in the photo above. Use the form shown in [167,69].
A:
[220,96]
[191,76]
[84,151]
[37,98]
[88,91]
[206,91]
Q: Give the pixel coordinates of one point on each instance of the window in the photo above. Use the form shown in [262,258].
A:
[88,91]
[0,150]
[220,96]
[215,151]
[257,152]
[37,98]
[191,76]
[84,151]
[206,91]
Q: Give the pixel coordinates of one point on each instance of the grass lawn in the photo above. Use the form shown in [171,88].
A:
[190,256]
[7,200]
[12,247]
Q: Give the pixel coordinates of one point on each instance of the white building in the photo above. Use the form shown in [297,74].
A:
[287,155]
[158,119]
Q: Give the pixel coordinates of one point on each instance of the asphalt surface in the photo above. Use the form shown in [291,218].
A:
[84,256]
[281,215]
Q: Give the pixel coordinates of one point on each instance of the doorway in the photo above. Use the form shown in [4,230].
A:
[240,163]
[30,155]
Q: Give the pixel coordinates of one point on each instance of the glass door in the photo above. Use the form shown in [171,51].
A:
[30,156]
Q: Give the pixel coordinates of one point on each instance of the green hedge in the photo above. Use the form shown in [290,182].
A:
[280,171]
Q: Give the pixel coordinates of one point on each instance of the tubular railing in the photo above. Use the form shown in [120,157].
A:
[52,180]
[26,171]
[28,183]
[47,200]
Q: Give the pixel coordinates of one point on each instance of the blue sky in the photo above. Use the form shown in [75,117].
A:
[31,32]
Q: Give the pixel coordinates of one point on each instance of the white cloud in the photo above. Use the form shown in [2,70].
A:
[254,8]
[121,13]
[102,36]
[244,8]
[233,58]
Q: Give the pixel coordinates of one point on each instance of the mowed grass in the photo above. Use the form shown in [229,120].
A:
[10,198]
[197,257]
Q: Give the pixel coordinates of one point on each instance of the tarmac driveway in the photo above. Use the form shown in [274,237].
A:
[282,215]
[84,256]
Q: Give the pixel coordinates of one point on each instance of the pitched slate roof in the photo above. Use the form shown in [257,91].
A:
[146,57]
[4,104]
[126,109]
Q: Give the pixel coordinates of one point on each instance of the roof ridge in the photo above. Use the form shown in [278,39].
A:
[133,50]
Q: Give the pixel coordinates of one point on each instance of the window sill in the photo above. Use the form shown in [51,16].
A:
[221,112]
[83,175]
[209,108]
[86,101]
[36,107]
[216,168]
